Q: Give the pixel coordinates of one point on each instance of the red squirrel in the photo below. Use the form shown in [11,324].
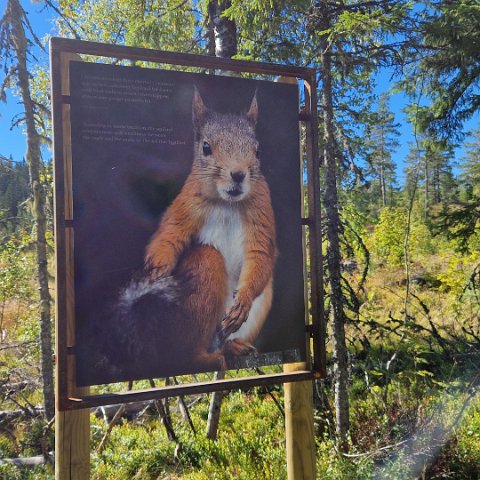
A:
[219,234]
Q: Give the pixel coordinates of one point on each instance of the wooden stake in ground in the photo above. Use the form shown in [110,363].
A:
[299,429]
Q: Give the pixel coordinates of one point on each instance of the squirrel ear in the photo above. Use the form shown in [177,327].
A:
[252,113]
[199,110]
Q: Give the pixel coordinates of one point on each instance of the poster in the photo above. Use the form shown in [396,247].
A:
[187,223]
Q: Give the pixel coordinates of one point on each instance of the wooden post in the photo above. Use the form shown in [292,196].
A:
[299,427]
[72,445]
[72,428]
[299,430]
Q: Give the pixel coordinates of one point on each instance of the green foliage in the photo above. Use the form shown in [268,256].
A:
[249,446]
[454,277]
[11,472]
[163,24]
[465,447]
[449,65]
[331,466]
[460,223]
[7,448]
[40,91]
[270,30]
[17,268]
[355,229]
[470,166]
[14,192]
[389,236]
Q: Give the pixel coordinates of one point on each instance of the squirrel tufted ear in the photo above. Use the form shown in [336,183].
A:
[199,110]
[252,113]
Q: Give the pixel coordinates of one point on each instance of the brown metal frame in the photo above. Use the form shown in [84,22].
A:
[68,395]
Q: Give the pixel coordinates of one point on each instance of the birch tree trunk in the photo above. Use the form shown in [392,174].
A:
[224,29]
[16,16]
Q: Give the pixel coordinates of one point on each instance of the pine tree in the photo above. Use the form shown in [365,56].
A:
[447,65]
[382,138]
[14,190]
[470,166]
[441,183]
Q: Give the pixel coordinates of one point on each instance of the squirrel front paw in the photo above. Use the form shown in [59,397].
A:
[236,315]
[160,266]
[160,271]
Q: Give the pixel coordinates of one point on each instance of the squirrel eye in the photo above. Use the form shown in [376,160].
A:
[258,152]
[207,150]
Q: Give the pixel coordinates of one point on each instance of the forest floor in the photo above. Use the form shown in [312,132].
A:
[415,411]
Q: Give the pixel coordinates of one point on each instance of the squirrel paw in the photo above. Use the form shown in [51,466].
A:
[159,271]
[160,265]
[236,315]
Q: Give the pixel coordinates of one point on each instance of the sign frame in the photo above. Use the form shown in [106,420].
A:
[69,396]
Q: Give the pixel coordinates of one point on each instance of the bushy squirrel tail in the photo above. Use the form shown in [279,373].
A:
[144,291]
[147,313]
[167,324]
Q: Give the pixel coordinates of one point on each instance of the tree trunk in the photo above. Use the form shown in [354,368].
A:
[224,29]
[383,185]
[340,357]
[427,187]
[437,184]
[382,170]
[214,410]
[16,14]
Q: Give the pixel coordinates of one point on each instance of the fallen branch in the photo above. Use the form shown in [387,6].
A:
[27,461]
[11,415]
[374,453]
[131,410]
[115,419]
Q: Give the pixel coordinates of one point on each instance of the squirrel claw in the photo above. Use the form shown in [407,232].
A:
[233,320]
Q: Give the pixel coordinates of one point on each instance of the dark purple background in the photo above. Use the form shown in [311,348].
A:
[120,191]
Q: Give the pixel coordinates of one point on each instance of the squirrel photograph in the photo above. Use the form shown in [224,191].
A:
[188,252]
[208,282]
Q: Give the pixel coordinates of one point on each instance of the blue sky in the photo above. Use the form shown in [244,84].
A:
[12,142]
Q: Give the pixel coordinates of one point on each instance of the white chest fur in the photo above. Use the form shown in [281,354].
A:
[223,230]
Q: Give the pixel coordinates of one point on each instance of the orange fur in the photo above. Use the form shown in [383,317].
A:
[202,306]
[225,183]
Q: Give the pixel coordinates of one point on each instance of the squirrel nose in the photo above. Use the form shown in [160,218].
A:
[237,177]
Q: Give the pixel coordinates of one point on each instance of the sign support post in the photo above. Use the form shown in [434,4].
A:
[72,428]
[72,445]
[299,429]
